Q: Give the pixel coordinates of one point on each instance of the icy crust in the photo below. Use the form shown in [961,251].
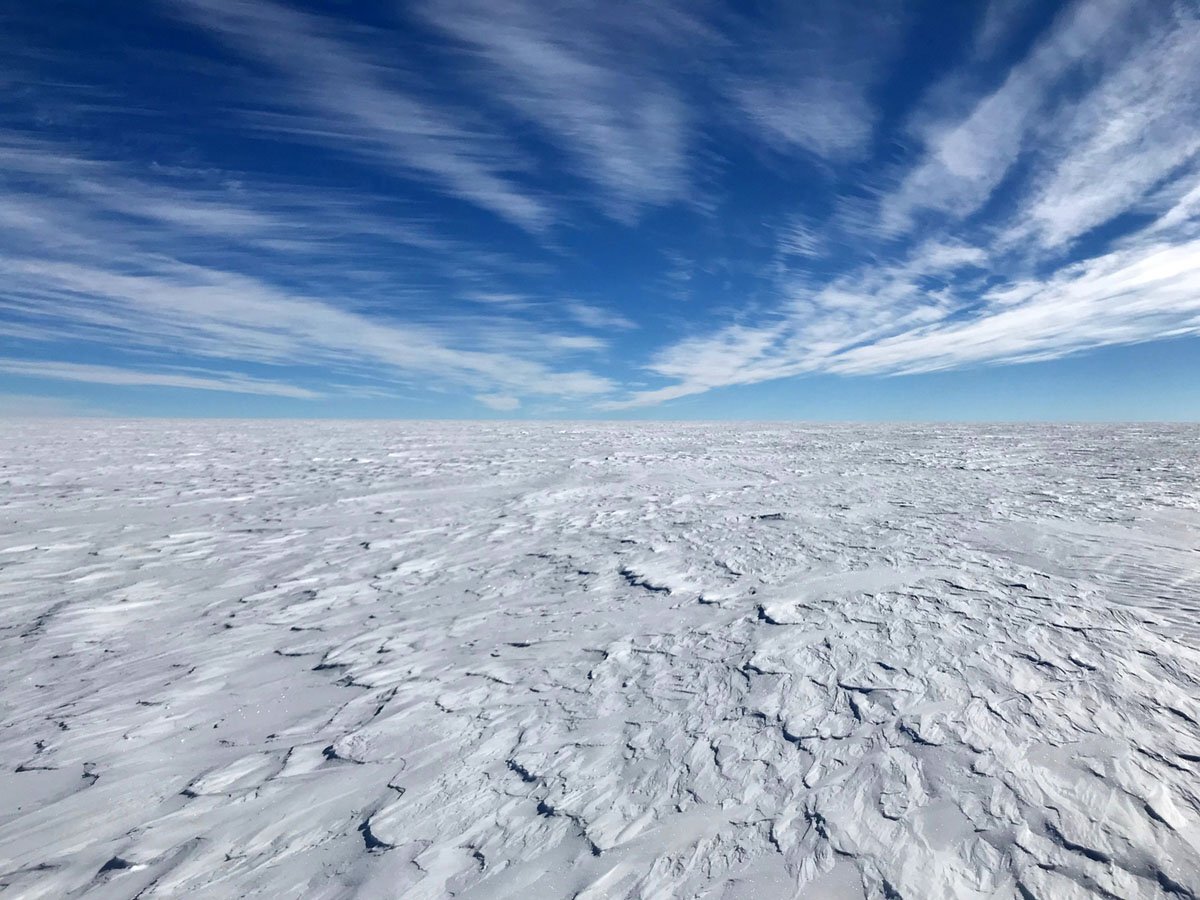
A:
[421,661]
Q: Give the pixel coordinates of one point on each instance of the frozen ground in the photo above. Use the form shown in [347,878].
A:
[289,660]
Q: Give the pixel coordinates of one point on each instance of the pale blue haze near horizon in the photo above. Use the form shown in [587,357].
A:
[675,210]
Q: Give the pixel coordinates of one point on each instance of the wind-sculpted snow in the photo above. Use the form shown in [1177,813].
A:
[326,660]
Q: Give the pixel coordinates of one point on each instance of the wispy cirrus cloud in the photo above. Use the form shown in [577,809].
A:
[808,327]
[335,92]
[56,190]
[225,315]
[1136,294]
[592,316]
[1143,291]
[966,159]
[499,402]
[1000,20]
[1132,131]
[802,78]
[595,79]
[225,382]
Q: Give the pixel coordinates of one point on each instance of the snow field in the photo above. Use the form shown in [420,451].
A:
[599,661]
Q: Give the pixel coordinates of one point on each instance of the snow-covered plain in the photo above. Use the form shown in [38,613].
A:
[542,661]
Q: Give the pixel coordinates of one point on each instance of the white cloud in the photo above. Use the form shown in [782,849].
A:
[57,194]
[1134,129]
[499,298]
[340,96]
[595,317]
[228,382]
[576,342]
[801,239]
[219,314]
[802,79]
[829,118]
[501,402]
[879,322]
[1183,205]
[590,76]
[1000,20]
[1130,295]
[966,160]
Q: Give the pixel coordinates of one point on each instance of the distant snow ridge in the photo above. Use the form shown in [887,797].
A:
[422,661]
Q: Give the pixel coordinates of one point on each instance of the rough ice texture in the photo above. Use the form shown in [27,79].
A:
[541,661]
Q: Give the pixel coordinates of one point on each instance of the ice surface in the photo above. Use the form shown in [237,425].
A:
[544,661]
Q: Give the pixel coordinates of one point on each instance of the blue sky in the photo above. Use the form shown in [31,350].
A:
[829,210]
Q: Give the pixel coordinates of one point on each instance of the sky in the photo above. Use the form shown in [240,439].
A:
[555,209]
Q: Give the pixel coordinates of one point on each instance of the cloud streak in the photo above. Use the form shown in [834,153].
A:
[967,160]
[225,382]
[335,94]
[217,314]
[802,79]
[589,77]
[883,323]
